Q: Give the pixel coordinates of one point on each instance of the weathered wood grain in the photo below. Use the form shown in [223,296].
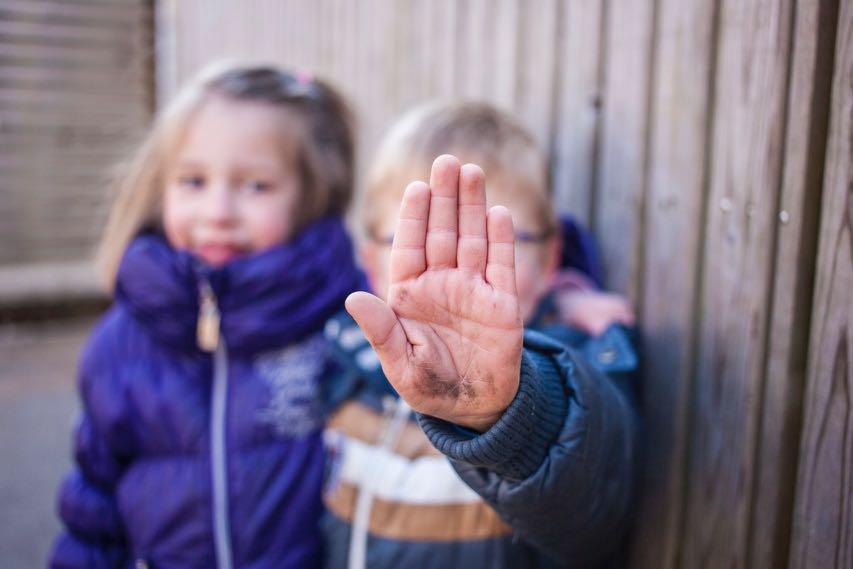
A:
[823,519]
[672,240]
[620,176]
[577,106]
[751,82]
[793,280]
[536,67]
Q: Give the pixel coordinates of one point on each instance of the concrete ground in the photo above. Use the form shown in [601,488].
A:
[38,408]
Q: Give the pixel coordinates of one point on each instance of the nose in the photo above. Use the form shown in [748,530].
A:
[219,205]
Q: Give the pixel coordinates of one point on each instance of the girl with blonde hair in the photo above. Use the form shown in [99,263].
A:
[199,443]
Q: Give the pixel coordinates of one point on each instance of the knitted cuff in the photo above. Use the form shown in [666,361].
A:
[517,444]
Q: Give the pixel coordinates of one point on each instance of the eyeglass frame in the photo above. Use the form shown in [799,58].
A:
[521,237]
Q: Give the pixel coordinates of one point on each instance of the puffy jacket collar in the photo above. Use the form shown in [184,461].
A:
[266,300]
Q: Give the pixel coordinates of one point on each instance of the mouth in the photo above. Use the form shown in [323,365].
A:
[218,254]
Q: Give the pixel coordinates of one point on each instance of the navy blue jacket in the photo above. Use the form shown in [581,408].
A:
[558,468]
[192,459]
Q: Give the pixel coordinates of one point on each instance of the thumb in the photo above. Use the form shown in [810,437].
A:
[382,329]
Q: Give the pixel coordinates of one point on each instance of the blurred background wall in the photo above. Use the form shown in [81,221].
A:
[76,92]
[707,144]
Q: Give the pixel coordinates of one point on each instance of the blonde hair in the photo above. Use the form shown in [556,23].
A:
[473,132]
[325,152]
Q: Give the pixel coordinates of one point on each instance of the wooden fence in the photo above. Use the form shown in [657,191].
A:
[708,145]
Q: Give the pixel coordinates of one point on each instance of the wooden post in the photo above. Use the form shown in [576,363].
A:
[823,519]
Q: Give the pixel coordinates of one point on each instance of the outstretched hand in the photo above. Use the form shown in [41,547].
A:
[449,336]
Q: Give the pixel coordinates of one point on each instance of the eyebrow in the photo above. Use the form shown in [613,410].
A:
[188,165]
[265,168]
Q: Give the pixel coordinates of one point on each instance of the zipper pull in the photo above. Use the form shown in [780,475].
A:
[207,330]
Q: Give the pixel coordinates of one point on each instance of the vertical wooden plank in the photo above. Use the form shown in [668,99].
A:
[505,52]
[166,49]
[793,280]
[750,103]
[823,519]
[412,46]
[618,199]
[535,73]
[293,28]
[374,92]
[475,63]
[677,183]
[262,29]
[445,21]
[486,70]
[578,106]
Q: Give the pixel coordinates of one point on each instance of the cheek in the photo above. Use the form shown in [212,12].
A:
[177,220]
[525,280]
[269,221]
[532,283]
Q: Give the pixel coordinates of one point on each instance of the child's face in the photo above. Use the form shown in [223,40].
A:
[231,189]
[535,263]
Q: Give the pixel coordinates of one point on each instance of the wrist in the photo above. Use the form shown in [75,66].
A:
[481,425]
[517,443]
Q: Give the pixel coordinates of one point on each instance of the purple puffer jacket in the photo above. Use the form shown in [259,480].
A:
[192,459]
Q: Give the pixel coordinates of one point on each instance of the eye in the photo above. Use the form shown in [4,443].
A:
[258,186]
[191,182]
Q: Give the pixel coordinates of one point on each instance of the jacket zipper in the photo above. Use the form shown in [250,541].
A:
[210,340]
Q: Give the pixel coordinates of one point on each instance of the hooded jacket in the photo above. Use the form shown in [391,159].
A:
[192,458]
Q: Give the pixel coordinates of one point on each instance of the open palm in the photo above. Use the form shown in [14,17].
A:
[449,336]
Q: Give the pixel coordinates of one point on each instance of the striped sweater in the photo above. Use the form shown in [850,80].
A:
[549,485]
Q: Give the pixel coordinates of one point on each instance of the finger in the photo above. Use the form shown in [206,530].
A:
[472,246]
[443,211]
[627,316]
[500,268]
[617,309]
[407,253]
[382,330]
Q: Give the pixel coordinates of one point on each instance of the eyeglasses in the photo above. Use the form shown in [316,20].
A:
[521,237]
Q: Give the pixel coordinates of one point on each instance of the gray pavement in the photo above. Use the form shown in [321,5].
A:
[38,408]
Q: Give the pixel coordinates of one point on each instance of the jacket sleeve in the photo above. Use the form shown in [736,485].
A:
[93,536]
[559,464]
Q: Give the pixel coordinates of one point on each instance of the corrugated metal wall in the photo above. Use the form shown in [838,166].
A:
[76,90]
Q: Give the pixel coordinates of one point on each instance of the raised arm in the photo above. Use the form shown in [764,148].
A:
[449,337]
[550,441]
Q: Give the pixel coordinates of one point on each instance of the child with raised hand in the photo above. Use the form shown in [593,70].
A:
[539,427]
[200,441]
